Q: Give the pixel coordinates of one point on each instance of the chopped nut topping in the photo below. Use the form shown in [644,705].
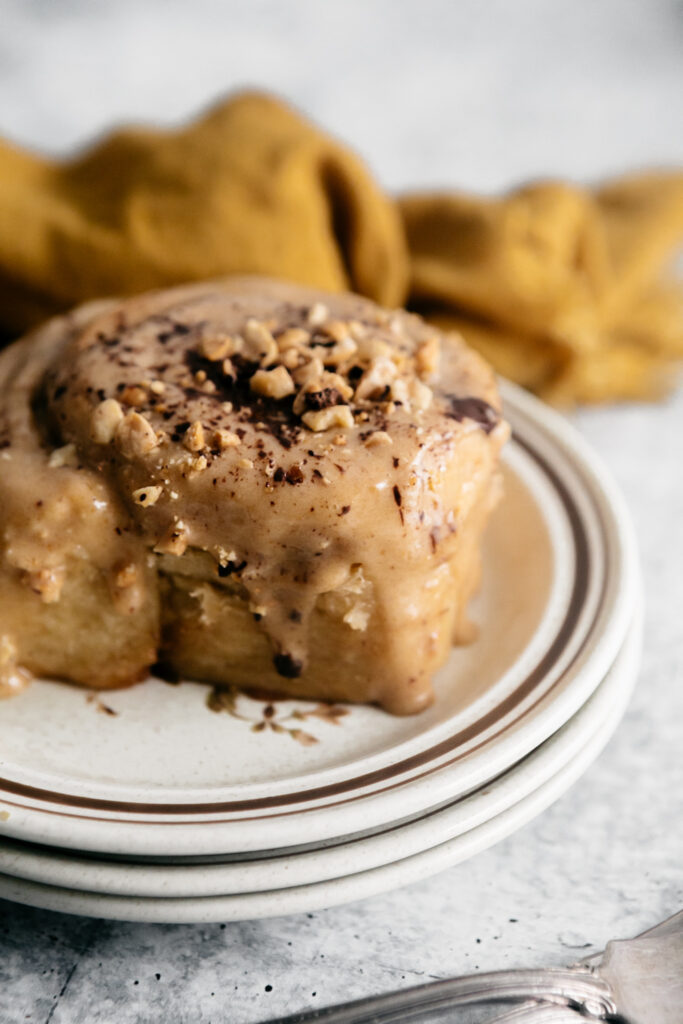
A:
[291,358]
[174,541]
[317,314]
[326,363]
[323,419]
[421,395]
[259,343]
[341,352]
[157,387]
[126,576]
[135,436]
[293,337]
[427,357]
[224,439]
[310,371]
[133,395]
[399,391]
[48,583]
[216,347]
[370,348]
[275,383]
[375,382]
[339,440]
[322,390]
[64,456]
[104,421]
[378,437]
[199,464]
[246,464]
[357,330]
[338,330]
[194,439]
[147,496]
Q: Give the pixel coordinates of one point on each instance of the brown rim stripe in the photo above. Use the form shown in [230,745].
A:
[579,590]
[277,853]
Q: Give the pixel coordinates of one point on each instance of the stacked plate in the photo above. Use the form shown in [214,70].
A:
[155,804]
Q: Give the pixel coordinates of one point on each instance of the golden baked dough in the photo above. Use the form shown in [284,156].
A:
[250,482]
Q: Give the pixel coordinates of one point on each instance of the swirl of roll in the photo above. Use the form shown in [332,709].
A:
[246,482]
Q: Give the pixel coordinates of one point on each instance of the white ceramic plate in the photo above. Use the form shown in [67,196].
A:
[163,776]
[612,696]
[396,842]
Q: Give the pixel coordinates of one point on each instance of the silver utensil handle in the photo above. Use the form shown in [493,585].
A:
[540,1013]
[571,988]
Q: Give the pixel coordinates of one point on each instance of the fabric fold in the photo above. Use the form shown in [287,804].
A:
[567,290]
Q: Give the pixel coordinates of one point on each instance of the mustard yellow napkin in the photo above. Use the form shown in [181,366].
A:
[563,289]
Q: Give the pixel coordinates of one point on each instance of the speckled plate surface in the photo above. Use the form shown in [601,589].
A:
[152,772]
[493,813]
[63,869]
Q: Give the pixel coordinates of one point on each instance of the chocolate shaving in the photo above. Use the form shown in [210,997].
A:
[475,409]
[323,399]
[287,666]
[229,568]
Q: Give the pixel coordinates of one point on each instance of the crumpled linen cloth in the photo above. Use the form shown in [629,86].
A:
[566,290]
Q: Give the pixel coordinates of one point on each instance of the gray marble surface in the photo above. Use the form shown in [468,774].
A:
[475,94]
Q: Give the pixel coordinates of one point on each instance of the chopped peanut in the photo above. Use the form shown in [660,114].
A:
[317,314]
[427,357]
[133,395]
[377,438]
[135,436]
[147,496]
[338,330]
[48,583]
[323,419]
[64,456]
[275,383]
[126,576]
[104,421]
[174,541]
[225,439]
[259,343]
[216,347]
[421,395]
[194,438]
[294,337]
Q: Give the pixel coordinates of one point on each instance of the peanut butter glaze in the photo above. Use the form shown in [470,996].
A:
[294,437]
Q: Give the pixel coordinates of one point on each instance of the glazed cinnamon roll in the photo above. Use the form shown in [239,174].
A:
[249,483]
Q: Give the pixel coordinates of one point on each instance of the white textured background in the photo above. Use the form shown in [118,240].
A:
[471,93]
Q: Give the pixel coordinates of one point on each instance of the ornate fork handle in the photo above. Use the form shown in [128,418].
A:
[572,988]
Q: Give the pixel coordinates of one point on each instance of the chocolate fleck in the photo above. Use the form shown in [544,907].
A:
[323,399]
[229,568]
[287,666]
[476,409]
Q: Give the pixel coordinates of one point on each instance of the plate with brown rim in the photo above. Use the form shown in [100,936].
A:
[560,756]
[353,870]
